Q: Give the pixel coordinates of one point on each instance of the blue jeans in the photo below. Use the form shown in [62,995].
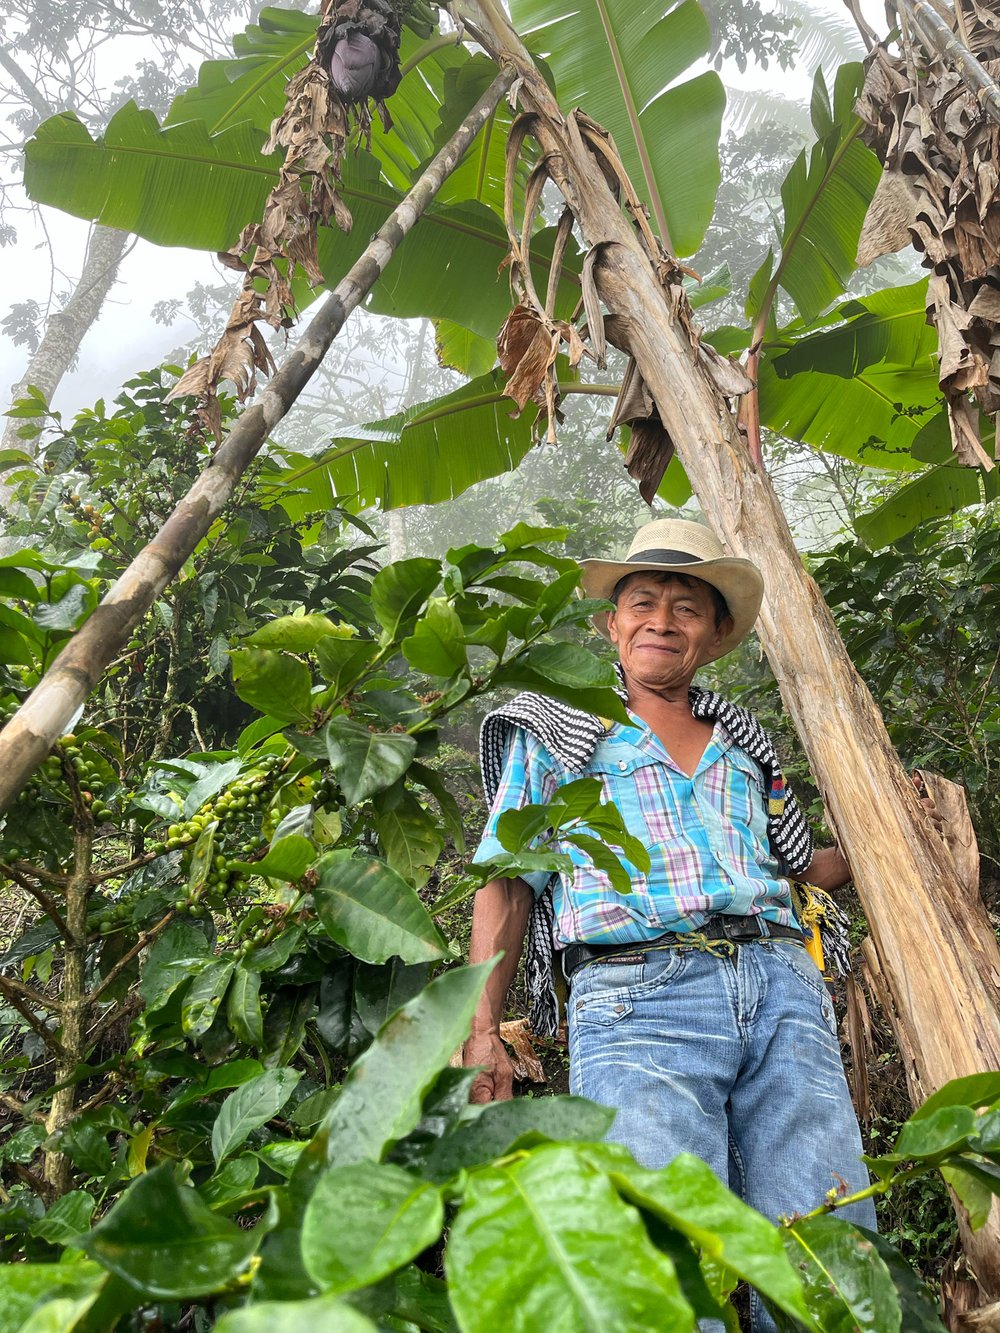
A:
[734,1059]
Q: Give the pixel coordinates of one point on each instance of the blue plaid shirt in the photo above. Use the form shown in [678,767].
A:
[706,836]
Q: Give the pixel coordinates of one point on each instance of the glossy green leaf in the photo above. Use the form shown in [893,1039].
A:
[411,841]
[382,1095]
[975,1192]
[872,418]
[500,1125]
[941,1130]
[918,1303]
[273,683]
[162,1240]
[364,761]
[690,1198]
[847,1285]
[342,662]
[430,779]
[568,672]
[200,863]
[66,1219]
[289,858]
[252,86]
[462,350]
[231,1182]
[372,912]
[24,1286]
[168,168]
[296,634]
[170,961]
[545,1242]
[379,990]
[252,1104]
[618,60]
[420,455]
[243,1011]
[220,1079]
[181,185]
[400,590]
[974,1090]
[366,1220]
[437,644]
[204,995]
[325,1314]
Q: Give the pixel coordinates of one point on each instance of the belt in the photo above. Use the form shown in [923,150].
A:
[725,926]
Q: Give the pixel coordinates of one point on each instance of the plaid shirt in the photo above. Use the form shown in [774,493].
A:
[706,835]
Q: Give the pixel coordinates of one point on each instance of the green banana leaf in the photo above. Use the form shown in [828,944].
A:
[429,452]
[250,87]
[825,197]
[939,491]
[860,382]
[182,186]
[617,59]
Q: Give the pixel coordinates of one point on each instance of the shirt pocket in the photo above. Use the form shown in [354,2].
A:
[634,780]
[748,800]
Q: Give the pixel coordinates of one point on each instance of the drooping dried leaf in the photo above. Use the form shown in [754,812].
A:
[650,447]
[357,57]
[939,190]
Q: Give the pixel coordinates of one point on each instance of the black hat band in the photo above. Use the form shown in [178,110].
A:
[663,558]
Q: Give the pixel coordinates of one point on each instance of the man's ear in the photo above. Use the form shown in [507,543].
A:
[726,627]
[612,631]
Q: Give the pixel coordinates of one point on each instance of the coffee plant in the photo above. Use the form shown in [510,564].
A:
[229,1008]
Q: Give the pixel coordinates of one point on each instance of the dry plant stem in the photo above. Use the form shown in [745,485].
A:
[75,1003]
[942,968]
[938,39]
[45,714]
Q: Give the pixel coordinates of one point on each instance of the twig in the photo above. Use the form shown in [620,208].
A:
[125,959]
[20,1108]
[46,903]
[38,1028]
[30,995]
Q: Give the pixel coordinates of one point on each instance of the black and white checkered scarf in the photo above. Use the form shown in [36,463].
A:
[571,737]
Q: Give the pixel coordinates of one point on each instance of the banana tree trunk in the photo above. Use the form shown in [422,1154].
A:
[943,970]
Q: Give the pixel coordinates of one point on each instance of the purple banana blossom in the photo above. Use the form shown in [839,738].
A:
[356,65]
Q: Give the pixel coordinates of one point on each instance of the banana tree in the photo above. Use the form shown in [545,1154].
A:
[199,181]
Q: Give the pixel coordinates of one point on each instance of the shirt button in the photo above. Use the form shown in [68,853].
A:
[622,764]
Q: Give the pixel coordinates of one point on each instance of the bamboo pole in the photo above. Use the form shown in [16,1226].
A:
[938,39]
[46,713]
[943,971]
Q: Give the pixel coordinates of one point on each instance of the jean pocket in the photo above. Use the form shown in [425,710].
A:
[603,1008]
[796,960]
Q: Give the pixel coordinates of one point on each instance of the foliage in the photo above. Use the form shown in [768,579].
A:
[921,625]
[257,1117]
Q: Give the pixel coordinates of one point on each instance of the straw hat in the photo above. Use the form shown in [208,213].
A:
[677,546]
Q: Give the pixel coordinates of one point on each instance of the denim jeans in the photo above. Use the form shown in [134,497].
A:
[734,1059]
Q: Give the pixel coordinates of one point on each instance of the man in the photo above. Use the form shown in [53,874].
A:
[694,1007]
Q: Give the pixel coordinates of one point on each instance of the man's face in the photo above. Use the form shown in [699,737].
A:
[665,631]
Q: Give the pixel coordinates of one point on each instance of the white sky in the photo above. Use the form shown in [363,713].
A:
[126,338]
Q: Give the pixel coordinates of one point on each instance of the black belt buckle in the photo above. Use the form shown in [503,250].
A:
[739,928]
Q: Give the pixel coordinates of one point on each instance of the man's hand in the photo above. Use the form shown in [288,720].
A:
[496,1082]
[499,920]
